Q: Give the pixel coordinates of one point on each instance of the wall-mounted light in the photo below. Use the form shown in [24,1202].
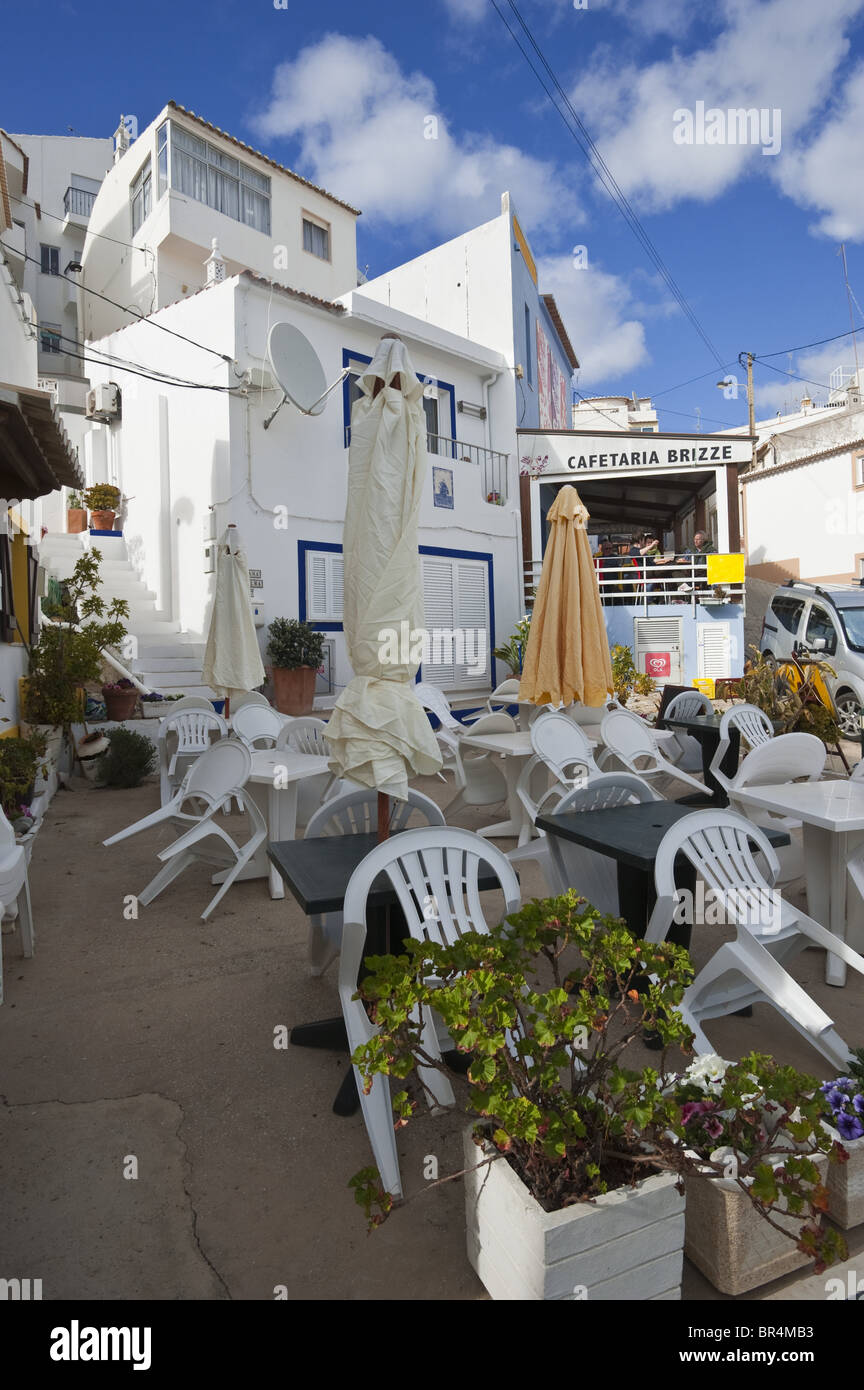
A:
[468,408]
[74,267]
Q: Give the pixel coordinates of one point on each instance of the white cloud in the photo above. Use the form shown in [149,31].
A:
[363,126]
[597,311]
[776,54]
[827,174]
[471,10]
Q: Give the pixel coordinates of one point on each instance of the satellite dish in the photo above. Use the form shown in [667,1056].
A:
[297,368]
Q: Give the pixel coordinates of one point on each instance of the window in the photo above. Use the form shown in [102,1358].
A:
[821,629]
[529,361]
[223,183]
[430,410]
[162,159]
[50,260]
[49,337]
[140,195]
[857,470]
[8,630]
[324,574]
[316,237]
[456,602]
[788,612]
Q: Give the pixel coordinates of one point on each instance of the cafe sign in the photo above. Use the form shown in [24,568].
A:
[577,454]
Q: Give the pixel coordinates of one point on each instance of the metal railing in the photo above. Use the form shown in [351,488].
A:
[492,465]
[77,202]
[640,583]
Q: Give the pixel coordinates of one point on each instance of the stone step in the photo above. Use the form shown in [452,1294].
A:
[179,676]
[194,651]
[154,628]
[166,664]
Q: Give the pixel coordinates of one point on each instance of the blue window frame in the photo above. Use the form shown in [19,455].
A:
[350,392]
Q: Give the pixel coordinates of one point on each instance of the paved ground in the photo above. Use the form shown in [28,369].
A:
[146,1047]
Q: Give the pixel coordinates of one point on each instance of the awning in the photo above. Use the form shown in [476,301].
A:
[36,454]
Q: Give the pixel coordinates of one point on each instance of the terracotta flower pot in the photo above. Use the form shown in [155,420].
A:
[119,704]
[294,691]
[76,520]
[102,521]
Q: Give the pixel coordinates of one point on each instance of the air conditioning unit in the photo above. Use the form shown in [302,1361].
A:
[103,402]
[659,648]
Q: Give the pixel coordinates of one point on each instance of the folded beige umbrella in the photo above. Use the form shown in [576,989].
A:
[232,661]
[379,733]
[567,658]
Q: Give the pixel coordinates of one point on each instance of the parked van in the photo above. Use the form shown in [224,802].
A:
[827,623]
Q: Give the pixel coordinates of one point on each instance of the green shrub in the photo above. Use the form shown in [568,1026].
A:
[19,762]
[128,759]
[102,497]
[292,644]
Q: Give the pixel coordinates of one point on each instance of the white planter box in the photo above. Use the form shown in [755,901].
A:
[727,1239]
[846,1184]
[625,1245]
[154,709]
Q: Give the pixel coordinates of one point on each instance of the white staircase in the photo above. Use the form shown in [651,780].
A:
[164,658]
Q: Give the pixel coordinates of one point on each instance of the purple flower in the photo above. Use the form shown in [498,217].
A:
[836,1099]
[713,1127]
[691,1108]
[850,1126]
[858,1104]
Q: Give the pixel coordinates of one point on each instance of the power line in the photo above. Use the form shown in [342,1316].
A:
[43,212]
[820,343]
[806,379]
[136,369]
[139,318]
[600,168]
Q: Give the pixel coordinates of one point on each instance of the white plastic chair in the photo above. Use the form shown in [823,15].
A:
[435,701]
[435,874]
[536,795]
[306,734]
[687,750]
[786,758]
[769,932]
[188,702]
[355,813]
[14,890]
[219,774]
[503,696]
[564,747]
[857,772]
[194,730]
[258,725]
[250,697]
[629,739]
[594,876]
[480,781]
[754,728]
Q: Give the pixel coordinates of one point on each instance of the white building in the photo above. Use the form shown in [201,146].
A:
[615,412]
[191,461]
[63,176]
[803,500]
[36,455]
[183,182]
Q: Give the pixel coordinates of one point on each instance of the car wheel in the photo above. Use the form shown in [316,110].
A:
[849,713]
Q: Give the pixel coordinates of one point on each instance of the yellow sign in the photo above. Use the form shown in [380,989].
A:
[725,569]
[705,684]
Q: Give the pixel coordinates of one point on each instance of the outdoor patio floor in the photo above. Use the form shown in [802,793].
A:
[153,1039]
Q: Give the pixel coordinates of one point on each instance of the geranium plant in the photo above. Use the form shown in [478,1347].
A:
[546,1006]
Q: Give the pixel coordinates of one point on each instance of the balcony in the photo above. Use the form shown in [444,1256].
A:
[78,204]
[492,466]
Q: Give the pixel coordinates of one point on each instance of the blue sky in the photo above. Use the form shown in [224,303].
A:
[341,93]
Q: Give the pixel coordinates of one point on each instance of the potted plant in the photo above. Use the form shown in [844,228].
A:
[20,762]
[103,500]
[296,653]
[625,677]
[120,699]
[844,1113]
[152,704]
[127,760]
[573,1173]
[68,653]
[512,653]
[792,708]
[90,749]
[495,498]
[757,1128]
[76,514]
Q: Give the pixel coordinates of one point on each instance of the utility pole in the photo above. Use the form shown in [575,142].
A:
[751,410]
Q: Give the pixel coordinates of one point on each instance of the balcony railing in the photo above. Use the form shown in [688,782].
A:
[623,581]
[77,202]
[492,465]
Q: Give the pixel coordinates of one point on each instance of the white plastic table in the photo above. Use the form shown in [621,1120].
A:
[512,749]
[280,771]
[832,815]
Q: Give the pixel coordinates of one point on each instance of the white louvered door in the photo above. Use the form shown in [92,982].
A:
[456,600]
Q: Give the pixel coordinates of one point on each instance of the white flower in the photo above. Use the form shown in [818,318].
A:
[707,1072]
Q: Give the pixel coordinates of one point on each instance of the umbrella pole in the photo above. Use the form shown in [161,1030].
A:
[383,817]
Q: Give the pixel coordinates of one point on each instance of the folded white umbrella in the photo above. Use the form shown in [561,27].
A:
[379,733]
[232,661]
